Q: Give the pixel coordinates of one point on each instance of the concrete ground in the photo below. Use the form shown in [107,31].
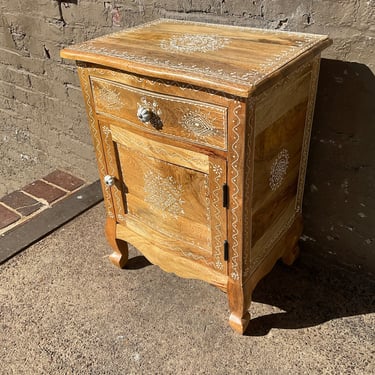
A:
[66,310]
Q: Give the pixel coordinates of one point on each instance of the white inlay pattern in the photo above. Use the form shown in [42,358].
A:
[278,169]
[163,193]
[190,43]
[198,124]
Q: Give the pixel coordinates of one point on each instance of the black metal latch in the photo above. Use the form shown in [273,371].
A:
[226,250]
[225,196]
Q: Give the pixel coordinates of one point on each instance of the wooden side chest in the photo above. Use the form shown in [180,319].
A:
[201,133]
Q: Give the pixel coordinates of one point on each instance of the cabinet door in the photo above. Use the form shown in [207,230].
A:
[170,196]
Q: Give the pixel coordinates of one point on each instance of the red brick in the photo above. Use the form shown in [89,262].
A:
[64,180]
[21,202]
[41,189]
[7,217]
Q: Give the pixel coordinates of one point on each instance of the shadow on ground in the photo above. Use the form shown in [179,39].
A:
[311,294]
[137,263]
[308,293]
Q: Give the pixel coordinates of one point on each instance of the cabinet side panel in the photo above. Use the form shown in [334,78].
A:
[280,118]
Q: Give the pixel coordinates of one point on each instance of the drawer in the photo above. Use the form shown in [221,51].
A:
[186,119]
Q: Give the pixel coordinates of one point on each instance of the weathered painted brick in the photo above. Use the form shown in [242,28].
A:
[26,6]
[61,72]
[76,147]
[16,76]
[74,93]
[23,95]
[12,57]
[5,103]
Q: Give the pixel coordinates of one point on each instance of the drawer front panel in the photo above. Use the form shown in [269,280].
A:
[186,119]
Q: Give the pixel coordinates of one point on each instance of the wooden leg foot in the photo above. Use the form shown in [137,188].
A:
[239,324]
[291,256]
[239,297]
[119,257]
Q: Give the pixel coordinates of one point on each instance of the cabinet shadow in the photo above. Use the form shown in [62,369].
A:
[137,262]
[310,294]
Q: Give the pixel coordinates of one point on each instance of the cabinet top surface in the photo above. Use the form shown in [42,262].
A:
[227,58]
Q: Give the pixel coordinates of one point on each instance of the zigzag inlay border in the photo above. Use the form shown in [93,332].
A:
[234,197]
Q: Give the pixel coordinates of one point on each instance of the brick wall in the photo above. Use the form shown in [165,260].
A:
[43,125]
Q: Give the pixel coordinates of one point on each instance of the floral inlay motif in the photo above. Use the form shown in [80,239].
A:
[198,124]
[110,98]
[163,193]
[190,43]
[278,169]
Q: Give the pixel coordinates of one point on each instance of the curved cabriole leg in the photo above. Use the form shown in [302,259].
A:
[119,257]
[290,257]
[239,324]
[239,303]
[291,242]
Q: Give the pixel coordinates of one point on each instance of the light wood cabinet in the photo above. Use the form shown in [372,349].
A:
[201,133]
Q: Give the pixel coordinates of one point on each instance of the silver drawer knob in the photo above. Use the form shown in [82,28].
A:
[144,114]
[109,180]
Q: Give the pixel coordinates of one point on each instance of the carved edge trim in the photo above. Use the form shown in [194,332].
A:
[207,198]
[96,140]
[307,133]
[234,197]
[249,184]
[218,172]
